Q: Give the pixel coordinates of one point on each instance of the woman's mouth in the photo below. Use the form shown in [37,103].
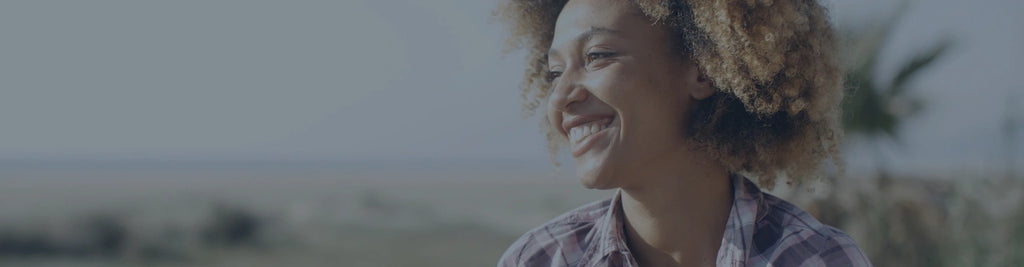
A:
[578,133]
[583,137]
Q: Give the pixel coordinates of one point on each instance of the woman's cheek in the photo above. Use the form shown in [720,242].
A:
[613,83]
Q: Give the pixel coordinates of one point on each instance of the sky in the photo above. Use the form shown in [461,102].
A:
[404,79]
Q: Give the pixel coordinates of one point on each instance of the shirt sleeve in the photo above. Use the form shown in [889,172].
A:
[511,257]
[811,248]
[843,252]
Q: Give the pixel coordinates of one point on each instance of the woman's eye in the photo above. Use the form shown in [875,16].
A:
[597,55]
[552,75]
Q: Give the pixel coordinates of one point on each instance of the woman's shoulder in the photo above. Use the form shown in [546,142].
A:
[570,228]
[786,233]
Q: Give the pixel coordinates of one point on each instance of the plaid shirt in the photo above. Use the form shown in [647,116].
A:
[762,230]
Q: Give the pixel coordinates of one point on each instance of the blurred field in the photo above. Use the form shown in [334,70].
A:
[325,215]
[308,215]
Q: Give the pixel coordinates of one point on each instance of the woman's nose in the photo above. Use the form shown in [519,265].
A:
[564,98]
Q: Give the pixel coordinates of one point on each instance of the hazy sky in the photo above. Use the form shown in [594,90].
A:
[358,79]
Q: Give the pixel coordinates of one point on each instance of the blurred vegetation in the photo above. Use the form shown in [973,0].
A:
[219,233]
[111,235]
[908,221]
[929,222]
[874,108]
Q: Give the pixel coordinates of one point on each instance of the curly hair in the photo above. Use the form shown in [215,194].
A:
[773,64]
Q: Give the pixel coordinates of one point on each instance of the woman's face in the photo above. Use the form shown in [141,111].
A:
[621,95]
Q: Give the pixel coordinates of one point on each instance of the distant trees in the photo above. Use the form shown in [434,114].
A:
[873,108]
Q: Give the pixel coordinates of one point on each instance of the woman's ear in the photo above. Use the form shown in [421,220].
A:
[702,86]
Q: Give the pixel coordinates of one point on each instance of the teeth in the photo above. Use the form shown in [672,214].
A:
[578,133]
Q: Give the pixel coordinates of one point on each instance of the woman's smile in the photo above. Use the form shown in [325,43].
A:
[584,136]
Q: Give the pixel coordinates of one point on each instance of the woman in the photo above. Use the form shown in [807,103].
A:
[674,103]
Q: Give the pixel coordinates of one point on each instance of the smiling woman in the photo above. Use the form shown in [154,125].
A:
[674,103]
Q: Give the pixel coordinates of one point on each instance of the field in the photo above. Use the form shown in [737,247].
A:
[193,214]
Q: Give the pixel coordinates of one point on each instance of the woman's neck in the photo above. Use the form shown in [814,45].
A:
[676,214]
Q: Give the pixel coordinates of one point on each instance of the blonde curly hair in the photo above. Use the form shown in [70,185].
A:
[773,62]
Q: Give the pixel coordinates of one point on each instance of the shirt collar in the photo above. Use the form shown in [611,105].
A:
[610,237]
[747,206]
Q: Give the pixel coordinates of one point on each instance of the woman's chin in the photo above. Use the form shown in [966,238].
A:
[593,171]
[596,178]
[596,184]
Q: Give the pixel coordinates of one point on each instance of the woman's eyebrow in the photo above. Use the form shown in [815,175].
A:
[586,36]
[593,31]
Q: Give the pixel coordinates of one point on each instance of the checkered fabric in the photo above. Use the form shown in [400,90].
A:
[762,230]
